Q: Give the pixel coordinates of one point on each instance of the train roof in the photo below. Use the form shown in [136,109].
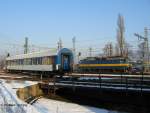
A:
[105,58]
[51,52]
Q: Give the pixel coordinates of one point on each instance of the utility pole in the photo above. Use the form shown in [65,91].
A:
[26,45]
[74,53]
[59,44]
[147,48]
[146,66]
[74,48]
[90,51]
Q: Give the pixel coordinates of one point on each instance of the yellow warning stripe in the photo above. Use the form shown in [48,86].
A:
[97,65]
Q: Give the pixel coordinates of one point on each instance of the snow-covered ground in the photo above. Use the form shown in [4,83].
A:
[44,105]
[10,103]
[14,76]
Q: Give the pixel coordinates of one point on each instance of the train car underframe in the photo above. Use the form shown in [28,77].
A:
[105,71]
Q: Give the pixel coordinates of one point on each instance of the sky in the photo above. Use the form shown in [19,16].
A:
[92,22]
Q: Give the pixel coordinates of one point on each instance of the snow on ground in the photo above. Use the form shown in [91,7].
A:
[9,102]
[44,105]
[8,76]
[18,84]
[13,76]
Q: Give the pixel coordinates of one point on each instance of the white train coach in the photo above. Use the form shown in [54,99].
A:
[44,61]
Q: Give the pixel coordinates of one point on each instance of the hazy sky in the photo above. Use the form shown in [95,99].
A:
[93,22]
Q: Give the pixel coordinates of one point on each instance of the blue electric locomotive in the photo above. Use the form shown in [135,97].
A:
[104,65]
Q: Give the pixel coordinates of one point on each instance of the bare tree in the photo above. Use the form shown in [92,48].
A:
[108,49]
[120,35]
[117,50]
[111,49]
[128,51]
[105,50]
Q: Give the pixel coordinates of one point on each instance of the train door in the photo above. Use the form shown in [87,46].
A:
[65,62]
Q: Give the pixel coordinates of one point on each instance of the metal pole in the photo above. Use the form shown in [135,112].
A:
[74,51]
[146,49]
[26,46]
[90,51]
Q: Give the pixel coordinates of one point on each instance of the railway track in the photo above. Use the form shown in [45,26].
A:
[116,82]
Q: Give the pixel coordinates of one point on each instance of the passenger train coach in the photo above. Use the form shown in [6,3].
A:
[44,61]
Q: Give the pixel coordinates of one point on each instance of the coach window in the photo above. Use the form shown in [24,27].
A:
[11,62]
[49,60]
[27,61]
[17,62]
[24,62]
[39,61]
[31,61]
[21,61]
[44,61]
[14,62]
[34,61]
